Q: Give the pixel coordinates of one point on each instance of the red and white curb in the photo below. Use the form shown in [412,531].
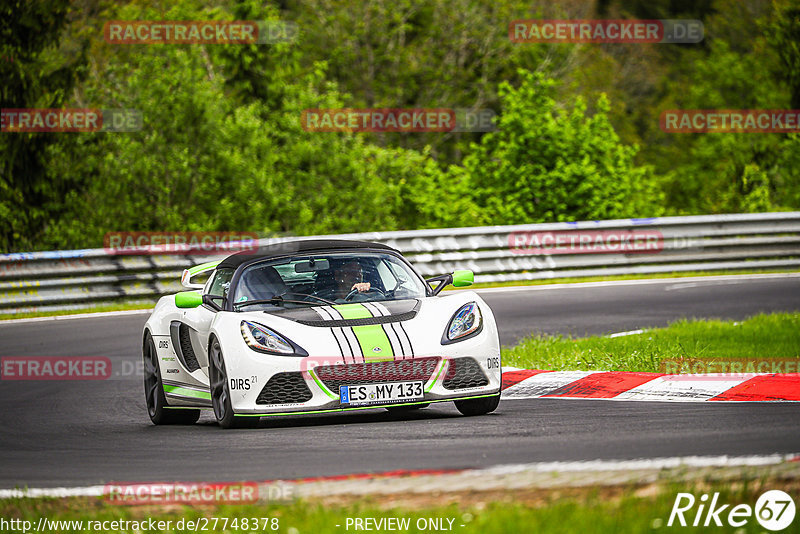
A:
[629,386]
[499,477]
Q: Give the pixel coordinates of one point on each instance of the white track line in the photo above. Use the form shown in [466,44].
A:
[89,315]
[645,281]
[644,463]
[627,333]
[452,481]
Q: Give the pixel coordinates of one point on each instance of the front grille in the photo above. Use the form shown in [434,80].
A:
[284,388]
[414,369]
[464,373]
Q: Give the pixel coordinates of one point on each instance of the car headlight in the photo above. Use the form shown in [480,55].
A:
[466,322]
[262,339]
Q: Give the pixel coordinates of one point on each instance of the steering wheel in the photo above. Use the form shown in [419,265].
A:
[357,292]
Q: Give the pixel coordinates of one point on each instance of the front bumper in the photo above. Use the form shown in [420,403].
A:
[313,385]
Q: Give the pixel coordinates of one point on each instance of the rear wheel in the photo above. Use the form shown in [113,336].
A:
[221,395]
[157,409]
[480,406]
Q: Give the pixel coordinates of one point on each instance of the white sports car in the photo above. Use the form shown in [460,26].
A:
[317,326]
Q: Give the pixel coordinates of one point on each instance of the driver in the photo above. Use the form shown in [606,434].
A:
[349,277]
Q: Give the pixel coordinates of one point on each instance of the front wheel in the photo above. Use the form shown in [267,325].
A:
[157,408]
[221,395]
[480,406]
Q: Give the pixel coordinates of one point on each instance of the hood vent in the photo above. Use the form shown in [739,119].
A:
[373,313]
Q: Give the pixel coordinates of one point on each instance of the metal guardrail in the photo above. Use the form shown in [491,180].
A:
[58,280]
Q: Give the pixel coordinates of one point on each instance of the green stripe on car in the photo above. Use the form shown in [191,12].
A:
[353,311]
[204,267]
[374,343]
[177,390]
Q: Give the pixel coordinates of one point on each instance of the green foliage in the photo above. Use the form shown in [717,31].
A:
[783,34]
[215,155]
[222,146]
[734,172]
[551,164]
[32,77]
[406,53]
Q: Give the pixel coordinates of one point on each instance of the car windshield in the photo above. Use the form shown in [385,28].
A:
[322,279]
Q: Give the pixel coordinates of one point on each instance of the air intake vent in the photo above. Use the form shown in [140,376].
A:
[464,373]
[179,332]
[284,388]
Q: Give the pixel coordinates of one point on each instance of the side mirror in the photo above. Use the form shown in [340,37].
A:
[463,278]
[188,299]
[209,300]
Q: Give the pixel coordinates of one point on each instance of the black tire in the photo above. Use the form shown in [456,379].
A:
[157,408]
[480,406]
[220,393]
[407,408]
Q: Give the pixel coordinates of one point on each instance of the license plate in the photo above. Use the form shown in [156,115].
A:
[395,392]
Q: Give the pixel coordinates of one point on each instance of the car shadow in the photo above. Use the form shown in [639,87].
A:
[372,416]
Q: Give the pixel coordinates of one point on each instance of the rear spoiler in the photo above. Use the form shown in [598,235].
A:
[188,274]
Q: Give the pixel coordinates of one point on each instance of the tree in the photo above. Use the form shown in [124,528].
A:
[33,76]
[549,164]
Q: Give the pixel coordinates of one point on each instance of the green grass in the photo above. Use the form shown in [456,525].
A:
[591,510]
[768,336]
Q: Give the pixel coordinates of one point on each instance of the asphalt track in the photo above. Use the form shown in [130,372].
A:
[78,433]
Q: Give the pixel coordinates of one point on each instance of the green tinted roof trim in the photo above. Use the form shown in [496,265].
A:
[197,269]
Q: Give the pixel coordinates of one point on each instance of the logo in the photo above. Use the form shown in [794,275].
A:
[376,350]
[240,383]
[774,510]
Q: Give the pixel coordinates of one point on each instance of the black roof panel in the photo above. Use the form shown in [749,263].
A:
[292,247]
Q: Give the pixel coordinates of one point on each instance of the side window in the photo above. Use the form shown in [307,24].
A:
[387,276]
[220,283]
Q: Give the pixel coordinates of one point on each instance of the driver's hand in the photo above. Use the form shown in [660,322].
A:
[362,287]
